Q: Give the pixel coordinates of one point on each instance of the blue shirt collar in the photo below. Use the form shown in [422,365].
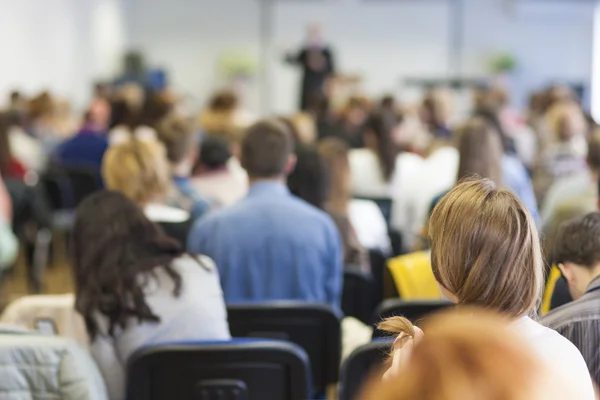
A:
[267,187]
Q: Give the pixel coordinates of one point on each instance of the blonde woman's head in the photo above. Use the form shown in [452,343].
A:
[485,249]
[137,168]
[470,355]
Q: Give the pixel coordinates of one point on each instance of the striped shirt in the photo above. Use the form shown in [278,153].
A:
[579,321]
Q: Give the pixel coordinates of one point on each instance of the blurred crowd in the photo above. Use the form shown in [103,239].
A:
[224,206]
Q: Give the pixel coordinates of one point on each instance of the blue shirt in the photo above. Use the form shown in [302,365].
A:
[516,178]
[199,205]
[85,148]
[273,246]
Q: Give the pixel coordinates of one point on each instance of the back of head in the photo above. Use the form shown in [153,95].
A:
[137,168]
[335,154]
[379,127]
[310,179]
[6,157]
[480,150]
[266,150]
[436,109]
[223,101]
[593,156]
[578,242]
[485,248]
[214,153]
[565,120]
[113,242]
[178,137]
[470,355]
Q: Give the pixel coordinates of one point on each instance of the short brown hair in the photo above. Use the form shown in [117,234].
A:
[137,168]
[578,241]
[178,137]
[266,148]
[485,248]
[481,151]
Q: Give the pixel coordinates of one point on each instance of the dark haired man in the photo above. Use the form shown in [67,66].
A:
[272,245]
[577,253]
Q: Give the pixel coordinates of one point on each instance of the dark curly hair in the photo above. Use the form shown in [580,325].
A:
[114,244]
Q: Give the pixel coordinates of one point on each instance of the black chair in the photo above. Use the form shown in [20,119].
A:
[357,296]
[84,181]
[413,310]
[236,370]
[360,365]
[314,327]
[177,230]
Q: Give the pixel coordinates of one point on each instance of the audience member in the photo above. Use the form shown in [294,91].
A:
[363,216]
[311,181]
[351,126]
[573,196]
[140,170]
[467,355]
[9,246]
[10,166]
[224,115]
[135,287]
[87,147]
[481,153]
[577,253]
[215,174]
[564,156]
[485,251]
[178,137]
[271,245]
[379,170]
[436,175]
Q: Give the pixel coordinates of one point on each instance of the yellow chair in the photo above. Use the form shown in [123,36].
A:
[549,291]
[413,276]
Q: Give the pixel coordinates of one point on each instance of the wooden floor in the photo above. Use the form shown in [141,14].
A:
[57,278]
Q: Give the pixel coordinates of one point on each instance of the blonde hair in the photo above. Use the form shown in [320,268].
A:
[485,248]
[481,151]
[335,153]
[137,168]
[469,355]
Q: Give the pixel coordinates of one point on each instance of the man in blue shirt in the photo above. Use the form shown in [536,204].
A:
[272,245]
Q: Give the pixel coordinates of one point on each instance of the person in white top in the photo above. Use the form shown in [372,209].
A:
[135,287]
[411,207]
[379,171]
[218,175]
[485,251]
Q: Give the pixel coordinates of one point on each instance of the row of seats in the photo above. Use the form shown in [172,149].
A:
[287,345]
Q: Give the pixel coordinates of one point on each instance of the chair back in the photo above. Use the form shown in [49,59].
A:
[236,370]
[43,312]
[177,230]
[413,310]
[84,181]
[314,327]
[362,364]
[357,295]
[413,276]
[553,277]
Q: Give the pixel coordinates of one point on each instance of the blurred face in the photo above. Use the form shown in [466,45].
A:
[315,34]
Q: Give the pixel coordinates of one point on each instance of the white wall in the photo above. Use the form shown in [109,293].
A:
[58,45]
[186,37]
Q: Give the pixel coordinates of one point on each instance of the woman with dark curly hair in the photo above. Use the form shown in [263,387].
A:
[136,287]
